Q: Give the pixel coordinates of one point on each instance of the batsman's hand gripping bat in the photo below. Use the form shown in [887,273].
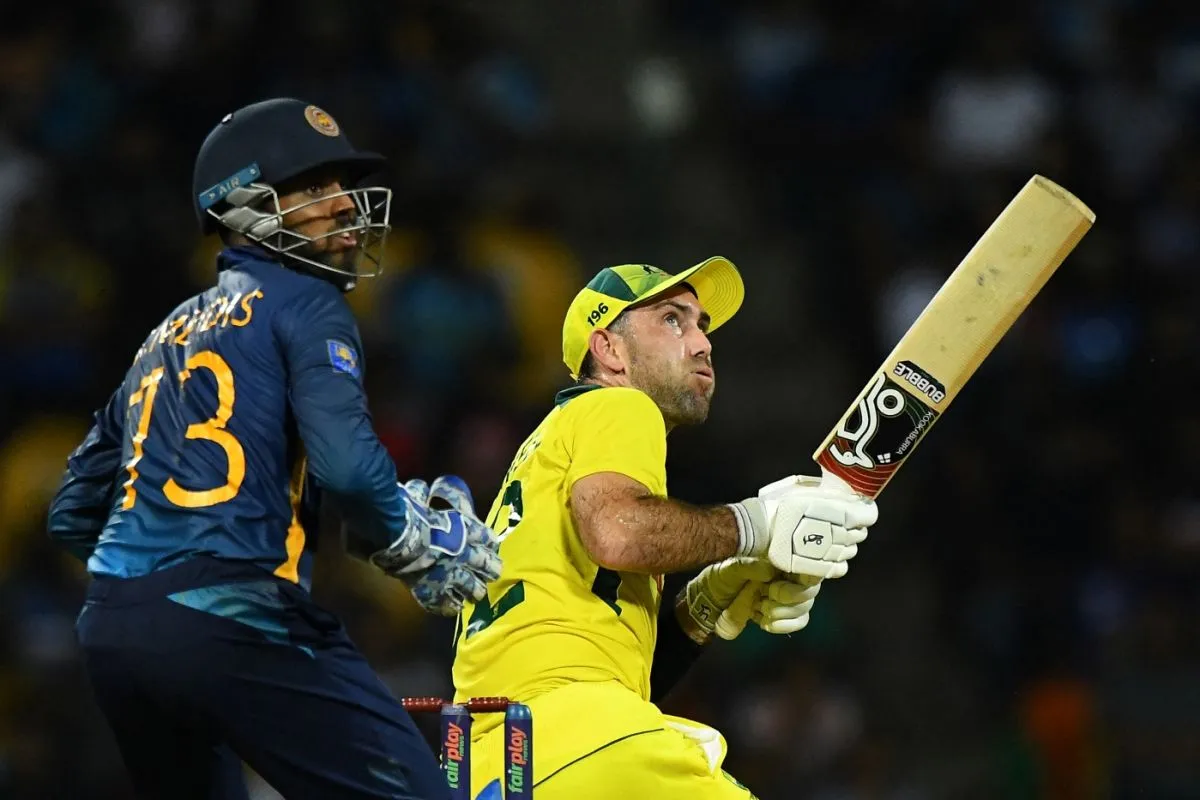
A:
[940,352]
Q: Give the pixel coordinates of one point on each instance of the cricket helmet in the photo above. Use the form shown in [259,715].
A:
[255,149]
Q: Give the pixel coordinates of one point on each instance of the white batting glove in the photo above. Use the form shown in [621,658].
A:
[804,527]
[779,606]
[708,596]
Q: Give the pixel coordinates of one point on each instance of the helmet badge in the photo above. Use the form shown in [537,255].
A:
[321,121]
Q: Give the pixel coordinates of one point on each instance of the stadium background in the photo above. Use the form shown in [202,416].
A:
[1022,623]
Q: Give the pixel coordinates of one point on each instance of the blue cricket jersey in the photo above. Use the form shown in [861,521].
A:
[244,404]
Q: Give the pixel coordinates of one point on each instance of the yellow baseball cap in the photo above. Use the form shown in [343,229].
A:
[716,281]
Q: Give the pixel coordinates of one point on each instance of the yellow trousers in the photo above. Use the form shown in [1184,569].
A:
[603,742]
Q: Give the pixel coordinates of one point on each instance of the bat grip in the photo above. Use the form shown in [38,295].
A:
[831,481]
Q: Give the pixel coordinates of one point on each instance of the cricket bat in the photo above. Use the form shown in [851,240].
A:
[941,350]
[957,330]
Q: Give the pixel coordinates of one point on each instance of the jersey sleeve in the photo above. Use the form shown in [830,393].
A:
[81,506]
[323,352]
[618,430]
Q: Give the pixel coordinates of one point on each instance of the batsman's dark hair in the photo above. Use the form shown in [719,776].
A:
[587,370]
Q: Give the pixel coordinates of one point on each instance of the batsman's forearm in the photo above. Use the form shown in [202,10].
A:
[661,535]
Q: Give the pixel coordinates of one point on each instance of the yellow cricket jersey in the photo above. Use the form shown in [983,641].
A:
[555,617]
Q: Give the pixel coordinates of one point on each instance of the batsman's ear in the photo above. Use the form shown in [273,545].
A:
[605,348]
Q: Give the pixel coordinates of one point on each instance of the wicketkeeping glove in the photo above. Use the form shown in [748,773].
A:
[446,555]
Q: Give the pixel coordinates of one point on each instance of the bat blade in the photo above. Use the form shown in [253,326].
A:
[959,327]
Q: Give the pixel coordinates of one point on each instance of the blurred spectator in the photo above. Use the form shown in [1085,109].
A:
[993,109]
[446,323]
[516,244]
[1133,122]
[53,293]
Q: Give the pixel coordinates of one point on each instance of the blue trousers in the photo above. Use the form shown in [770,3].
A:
[202,666]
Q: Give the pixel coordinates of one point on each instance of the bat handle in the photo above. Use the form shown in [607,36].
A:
[831,481]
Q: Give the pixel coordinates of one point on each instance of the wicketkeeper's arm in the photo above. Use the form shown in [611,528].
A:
[84,500]
[324,359]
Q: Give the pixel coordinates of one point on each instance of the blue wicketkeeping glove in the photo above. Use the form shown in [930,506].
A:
[446,555]
[492,791]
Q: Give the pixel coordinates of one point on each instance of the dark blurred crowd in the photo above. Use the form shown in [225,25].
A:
[1023,621]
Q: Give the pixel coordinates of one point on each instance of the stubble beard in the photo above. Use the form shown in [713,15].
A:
[679,403]
[337,259]
[321,250]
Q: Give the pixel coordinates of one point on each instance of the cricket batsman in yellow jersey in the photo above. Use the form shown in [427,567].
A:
[587,533]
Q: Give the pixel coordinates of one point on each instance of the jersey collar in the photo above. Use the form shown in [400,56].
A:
[572,392]
[239,254]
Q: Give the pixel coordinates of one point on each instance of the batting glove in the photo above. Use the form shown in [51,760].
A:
[778,606]
[708,596]
[727,595]
[804,527]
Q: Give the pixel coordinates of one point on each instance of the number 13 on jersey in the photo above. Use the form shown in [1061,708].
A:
[212,430]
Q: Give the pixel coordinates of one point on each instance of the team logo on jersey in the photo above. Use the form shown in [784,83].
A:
[343,357]
[321,121]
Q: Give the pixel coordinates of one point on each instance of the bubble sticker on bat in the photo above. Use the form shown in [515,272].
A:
[881,431]
[920,380]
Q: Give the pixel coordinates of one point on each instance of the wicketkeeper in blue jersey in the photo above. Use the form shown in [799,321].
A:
[193,498]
